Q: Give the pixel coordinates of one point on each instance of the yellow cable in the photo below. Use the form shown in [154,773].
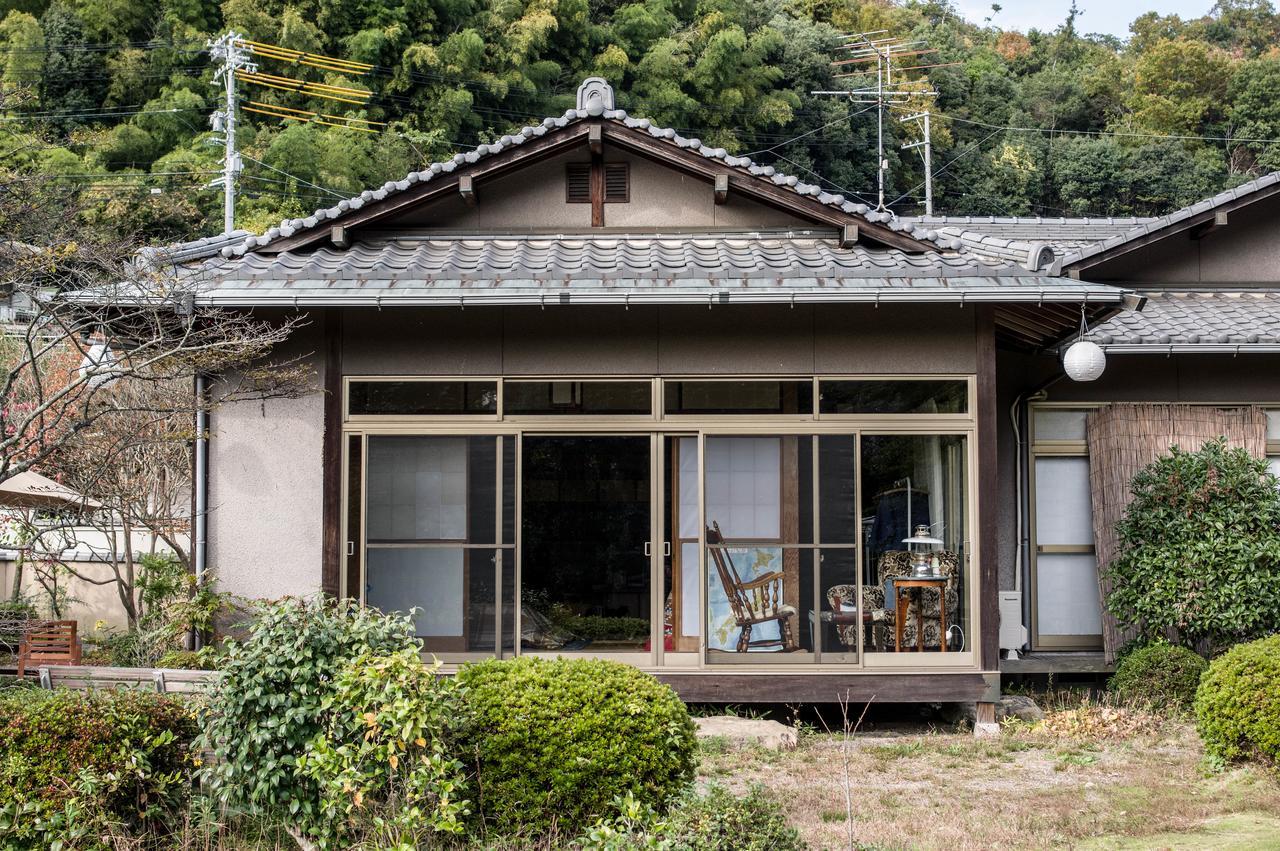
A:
[307,120]
[305,91]
[274,51]
[312,113]
[346,90]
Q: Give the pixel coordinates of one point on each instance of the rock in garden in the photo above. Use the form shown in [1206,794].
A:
[746,731]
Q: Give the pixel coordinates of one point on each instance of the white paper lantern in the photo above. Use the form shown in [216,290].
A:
[1084,361]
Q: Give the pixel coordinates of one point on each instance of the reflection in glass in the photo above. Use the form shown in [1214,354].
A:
[910,481]
[738,397]
[682,625]
[585,578]
[576,397]
[422,398]
[926,396]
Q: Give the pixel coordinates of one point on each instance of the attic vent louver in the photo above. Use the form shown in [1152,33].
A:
[577,183]
[617,185]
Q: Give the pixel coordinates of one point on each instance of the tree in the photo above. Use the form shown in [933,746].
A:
[1199,557]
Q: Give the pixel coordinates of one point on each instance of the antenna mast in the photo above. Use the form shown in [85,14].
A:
[232,57]
[865,49]
[927,144]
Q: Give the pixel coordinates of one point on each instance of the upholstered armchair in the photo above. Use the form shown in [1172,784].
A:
[896,563]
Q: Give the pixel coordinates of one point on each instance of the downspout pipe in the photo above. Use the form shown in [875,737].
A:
[200,484]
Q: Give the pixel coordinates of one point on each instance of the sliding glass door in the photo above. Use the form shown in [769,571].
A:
[586,572]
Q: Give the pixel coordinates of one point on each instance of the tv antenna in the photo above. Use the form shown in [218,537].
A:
[864,49]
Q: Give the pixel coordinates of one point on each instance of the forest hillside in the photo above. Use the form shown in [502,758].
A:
[111,99]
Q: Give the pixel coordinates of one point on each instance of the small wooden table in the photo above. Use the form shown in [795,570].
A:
[901,604]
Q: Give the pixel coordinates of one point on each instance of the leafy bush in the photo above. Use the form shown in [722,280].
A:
[1199,553]
[383,762]
[602,628]
[276,688]
[73,760]
[1160,674]
[714,821]
[557,742]
[189,660]
[1238,702]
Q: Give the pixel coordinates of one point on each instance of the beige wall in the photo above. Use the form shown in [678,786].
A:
[807,339]
[265,489]
[92,604]
[1242,252]
[533,199]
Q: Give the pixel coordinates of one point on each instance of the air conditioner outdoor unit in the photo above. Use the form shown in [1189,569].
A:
[1013,634]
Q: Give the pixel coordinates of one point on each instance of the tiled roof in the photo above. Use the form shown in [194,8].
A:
[594,109]
[1196,321]
[1060,234]
[669,268]
[1153,225]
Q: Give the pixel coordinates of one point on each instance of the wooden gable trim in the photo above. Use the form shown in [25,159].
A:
[1200,222]
[640,142]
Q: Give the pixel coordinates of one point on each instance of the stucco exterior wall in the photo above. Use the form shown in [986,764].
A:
[265,489]
[92,606]
[744,339]
[534,199]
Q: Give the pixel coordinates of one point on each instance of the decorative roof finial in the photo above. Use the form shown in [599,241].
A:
[595,95]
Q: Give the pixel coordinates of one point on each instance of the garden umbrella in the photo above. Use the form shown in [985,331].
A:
[32,490]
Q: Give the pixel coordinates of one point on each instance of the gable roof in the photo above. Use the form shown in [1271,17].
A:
[1143,232]
[640,134]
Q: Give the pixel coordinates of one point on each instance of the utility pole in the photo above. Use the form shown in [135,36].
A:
[882,51]
[927,144]
[227,51]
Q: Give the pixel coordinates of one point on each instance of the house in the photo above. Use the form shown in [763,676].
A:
[596,388]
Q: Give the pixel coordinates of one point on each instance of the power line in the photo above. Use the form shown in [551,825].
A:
[840,120]
[295,177]
[1118,133]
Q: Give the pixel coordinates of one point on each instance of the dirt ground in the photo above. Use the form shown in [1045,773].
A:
[1025,789]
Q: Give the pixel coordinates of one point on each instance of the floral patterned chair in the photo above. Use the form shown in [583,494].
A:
[895,563]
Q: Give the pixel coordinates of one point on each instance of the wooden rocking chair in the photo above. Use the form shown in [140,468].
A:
[754,602]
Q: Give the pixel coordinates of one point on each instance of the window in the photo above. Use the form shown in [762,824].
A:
[437,540]
[1066,606]
[738,397]
[617,183]
[577,397]
[915,486]
[927,396]
[421,398]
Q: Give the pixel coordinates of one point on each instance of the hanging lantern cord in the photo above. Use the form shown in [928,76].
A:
[1084,328]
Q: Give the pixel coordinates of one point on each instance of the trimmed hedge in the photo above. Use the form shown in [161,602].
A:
[134,748]
[1160,674]
[555,743]
[1238,703]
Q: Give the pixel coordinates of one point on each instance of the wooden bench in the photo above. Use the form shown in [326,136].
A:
[48,643]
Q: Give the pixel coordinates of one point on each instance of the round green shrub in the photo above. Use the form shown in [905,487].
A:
[555,742]
[1162,675]
[1238,702]
[1199,550]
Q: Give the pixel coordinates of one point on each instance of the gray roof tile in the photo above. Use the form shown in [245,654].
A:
[1184,320]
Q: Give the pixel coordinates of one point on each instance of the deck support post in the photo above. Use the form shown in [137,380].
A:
[984,722]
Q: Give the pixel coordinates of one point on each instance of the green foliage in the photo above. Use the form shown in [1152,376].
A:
[455,73]
[602,627]
[73,761]
[1199,554]
[173,605]
[714,821]
[384,762]
[1159,674]
[273,696]
[1238,703]
[556,742]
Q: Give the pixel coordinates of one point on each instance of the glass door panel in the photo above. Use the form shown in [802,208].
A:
[682,619]
[436,536]
[585,571]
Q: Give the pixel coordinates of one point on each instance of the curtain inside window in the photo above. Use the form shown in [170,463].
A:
[1124,438]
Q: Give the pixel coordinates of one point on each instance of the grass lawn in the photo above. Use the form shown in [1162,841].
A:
[1025,789]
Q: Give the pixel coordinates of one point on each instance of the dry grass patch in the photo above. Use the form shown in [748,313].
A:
[1072,781]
